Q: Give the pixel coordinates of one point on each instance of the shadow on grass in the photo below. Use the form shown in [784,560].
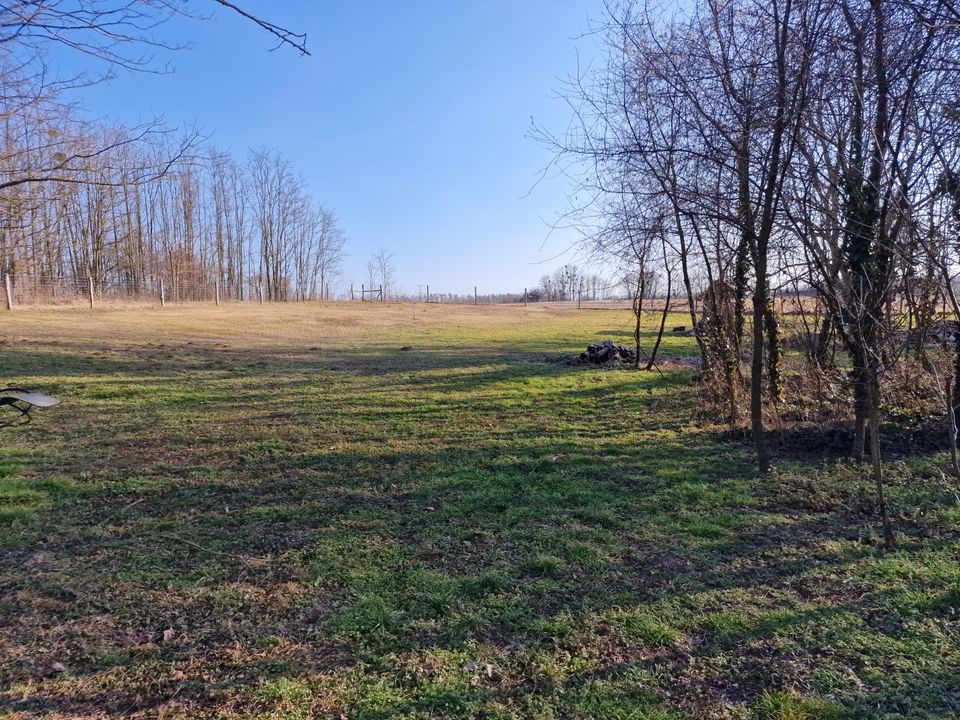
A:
[834,440]
[393,530]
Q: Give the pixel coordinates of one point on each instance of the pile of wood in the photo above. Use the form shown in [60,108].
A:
[607,352]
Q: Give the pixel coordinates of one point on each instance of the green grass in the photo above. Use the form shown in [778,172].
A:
[276,512]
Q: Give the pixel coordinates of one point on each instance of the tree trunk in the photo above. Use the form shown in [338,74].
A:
[823,340]
[861,404]
[638,312]
[952,429]
[756,377]
[956,376]
[774,352]
[663,321]
[889,541]
[636,340]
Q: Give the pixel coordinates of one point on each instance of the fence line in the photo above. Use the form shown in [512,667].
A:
[34,291]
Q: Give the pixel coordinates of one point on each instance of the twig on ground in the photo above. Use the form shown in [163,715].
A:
[192,544]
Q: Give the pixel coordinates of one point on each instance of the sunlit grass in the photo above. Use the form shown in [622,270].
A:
[275,511]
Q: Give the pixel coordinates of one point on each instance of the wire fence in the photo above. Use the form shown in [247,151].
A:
[21,291]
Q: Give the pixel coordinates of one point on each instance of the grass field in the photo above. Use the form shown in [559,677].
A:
[279,512]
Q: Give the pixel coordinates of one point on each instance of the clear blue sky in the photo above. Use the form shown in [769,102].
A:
[410,120]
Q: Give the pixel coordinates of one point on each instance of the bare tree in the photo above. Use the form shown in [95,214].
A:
[330,251]
[119,32]
[382,271]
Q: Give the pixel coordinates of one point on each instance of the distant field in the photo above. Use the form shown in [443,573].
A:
[372,511]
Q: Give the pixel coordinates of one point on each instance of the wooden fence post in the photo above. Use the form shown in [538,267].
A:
[260,292]
[351,291]
[163,299]
[90,289]
[216,292]
[524,297]
[474,294]
[8,286]
[382,298]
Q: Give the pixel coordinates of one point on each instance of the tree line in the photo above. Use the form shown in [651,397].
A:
[126,207]
[569,282]
[83,202]
[751,149]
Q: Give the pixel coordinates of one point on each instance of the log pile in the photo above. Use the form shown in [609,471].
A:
[607,352]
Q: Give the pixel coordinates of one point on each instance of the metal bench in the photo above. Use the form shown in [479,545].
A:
[23,401]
